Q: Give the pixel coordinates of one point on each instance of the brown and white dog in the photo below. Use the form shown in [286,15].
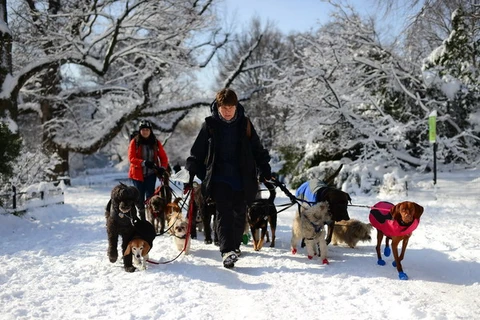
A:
[396,222]
[351,232]
[178,226]
[139,249]
[310,225]
[172,208]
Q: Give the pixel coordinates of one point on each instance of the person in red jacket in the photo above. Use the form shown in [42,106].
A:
[147,160]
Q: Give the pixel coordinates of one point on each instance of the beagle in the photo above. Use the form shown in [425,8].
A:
[139,249]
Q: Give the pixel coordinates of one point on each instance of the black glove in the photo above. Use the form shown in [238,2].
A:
[159,170]
[149,164]
[265,176]
[187,187]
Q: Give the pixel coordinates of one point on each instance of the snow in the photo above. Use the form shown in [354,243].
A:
[55,266]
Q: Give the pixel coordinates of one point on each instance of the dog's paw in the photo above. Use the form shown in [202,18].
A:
[402,276]
[325,261]
[328,240]
[130,269]
[310,257]
[381,262]
[294,250]
[387,251]
[207,241]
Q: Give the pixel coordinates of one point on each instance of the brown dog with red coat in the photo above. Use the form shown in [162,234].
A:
[396,222]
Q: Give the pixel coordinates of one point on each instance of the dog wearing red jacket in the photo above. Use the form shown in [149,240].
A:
[396,222]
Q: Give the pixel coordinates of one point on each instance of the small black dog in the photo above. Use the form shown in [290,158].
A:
[261,213]
[120,214]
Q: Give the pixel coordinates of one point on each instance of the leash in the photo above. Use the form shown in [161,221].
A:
[187,235]
[292,198]
[369,207]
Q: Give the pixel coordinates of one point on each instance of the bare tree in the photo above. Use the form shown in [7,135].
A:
[89,68]
[260,74]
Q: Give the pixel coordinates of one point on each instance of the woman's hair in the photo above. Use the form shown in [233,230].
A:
[226,97]
[151,140]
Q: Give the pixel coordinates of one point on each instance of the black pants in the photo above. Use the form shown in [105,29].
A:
[231,209]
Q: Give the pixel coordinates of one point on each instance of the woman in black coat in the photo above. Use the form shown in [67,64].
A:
[226,156]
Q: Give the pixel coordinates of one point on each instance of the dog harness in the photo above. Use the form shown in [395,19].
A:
[382,220]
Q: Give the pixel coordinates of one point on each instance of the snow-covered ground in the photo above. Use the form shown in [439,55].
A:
[54,266]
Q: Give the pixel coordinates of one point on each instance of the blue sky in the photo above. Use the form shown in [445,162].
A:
[288,15]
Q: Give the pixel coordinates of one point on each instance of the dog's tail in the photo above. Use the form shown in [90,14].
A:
[107,208]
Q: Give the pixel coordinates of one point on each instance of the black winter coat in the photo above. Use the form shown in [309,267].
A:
[253,155]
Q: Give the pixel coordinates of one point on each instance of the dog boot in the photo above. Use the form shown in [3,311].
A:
[387,251]
[245,238]
[229,259]
[402,276]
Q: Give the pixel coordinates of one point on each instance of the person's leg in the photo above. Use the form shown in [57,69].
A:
[222,195]
[239,213]
[140,185]
[150,186]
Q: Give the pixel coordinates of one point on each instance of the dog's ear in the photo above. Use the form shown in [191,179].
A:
[128,250]
[146,248]
[395,212]
[418,210]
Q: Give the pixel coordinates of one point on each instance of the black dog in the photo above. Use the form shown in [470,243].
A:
[261,213]
[120,214]
[207,211]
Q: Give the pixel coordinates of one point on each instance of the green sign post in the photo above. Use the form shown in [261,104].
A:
[432,138]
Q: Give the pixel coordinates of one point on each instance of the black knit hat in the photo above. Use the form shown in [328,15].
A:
[145,124]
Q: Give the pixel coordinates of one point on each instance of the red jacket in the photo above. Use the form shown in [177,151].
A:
[135,157]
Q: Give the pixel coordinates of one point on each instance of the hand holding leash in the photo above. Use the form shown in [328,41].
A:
[159,170]
[149,164]
[282,187]
[187,187]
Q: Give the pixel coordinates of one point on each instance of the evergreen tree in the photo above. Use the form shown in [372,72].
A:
[10,144]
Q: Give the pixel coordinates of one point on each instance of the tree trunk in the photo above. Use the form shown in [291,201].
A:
[8,105]
[51,110]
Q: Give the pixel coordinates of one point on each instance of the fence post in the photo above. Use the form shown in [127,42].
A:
[14,200]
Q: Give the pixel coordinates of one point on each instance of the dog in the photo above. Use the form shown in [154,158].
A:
[351,232]
[139,249]
[316,190]
[207,211]
[179,228]
[396,222]
[172,208]
[309,224]
[156,206]
[261,213]
[120,212]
